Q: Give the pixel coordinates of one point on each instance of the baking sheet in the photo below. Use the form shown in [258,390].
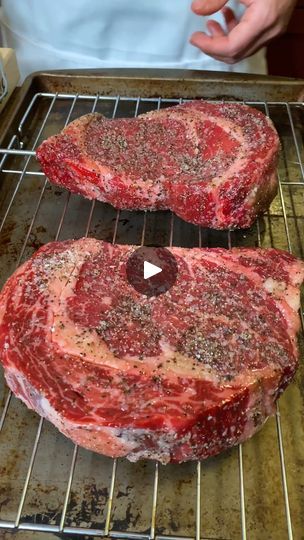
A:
[132,502]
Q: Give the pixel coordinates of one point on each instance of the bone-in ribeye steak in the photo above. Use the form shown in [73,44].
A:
[176,377]
[212,164]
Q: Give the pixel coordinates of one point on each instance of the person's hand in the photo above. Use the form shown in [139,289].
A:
[262,21]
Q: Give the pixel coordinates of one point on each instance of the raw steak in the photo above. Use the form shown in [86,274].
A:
[212,164]
[177,377]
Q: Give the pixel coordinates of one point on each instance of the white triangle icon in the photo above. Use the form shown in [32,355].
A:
[150,270]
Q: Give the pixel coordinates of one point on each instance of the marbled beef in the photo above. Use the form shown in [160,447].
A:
[212,164]
[177,377]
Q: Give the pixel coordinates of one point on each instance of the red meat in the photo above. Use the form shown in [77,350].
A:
[212,164]
[177,377]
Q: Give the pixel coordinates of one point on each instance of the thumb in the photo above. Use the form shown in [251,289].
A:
[207,7]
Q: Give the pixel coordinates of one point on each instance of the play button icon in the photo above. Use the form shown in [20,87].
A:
[151,270]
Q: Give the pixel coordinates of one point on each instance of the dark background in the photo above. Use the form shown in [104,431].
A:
[286,54]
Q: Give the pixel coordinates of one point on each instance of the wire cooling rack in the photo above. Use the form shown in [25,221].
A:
[34,212]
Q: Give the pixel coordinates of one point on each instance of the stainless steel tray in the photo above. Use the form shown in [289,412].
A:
[255,491]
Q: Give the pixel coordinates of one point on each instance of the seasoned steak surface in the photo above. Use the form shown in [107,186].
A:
[177,377]
[212,164]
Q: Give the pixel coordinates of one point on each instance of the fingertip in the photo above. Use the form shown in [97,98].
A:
[197,37]
[215,28]
[192,38]
[201,7]
[196,7]
[207,7]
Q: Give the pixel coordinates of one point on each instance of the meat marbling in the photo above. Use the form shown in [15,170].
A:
[212,164]
[177,377]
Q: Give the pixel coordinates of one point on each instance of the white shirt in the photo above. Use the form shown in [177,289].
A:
[65,34]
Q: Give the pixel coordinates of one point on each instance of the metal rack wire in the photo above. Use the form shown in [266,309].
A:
[15,148]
